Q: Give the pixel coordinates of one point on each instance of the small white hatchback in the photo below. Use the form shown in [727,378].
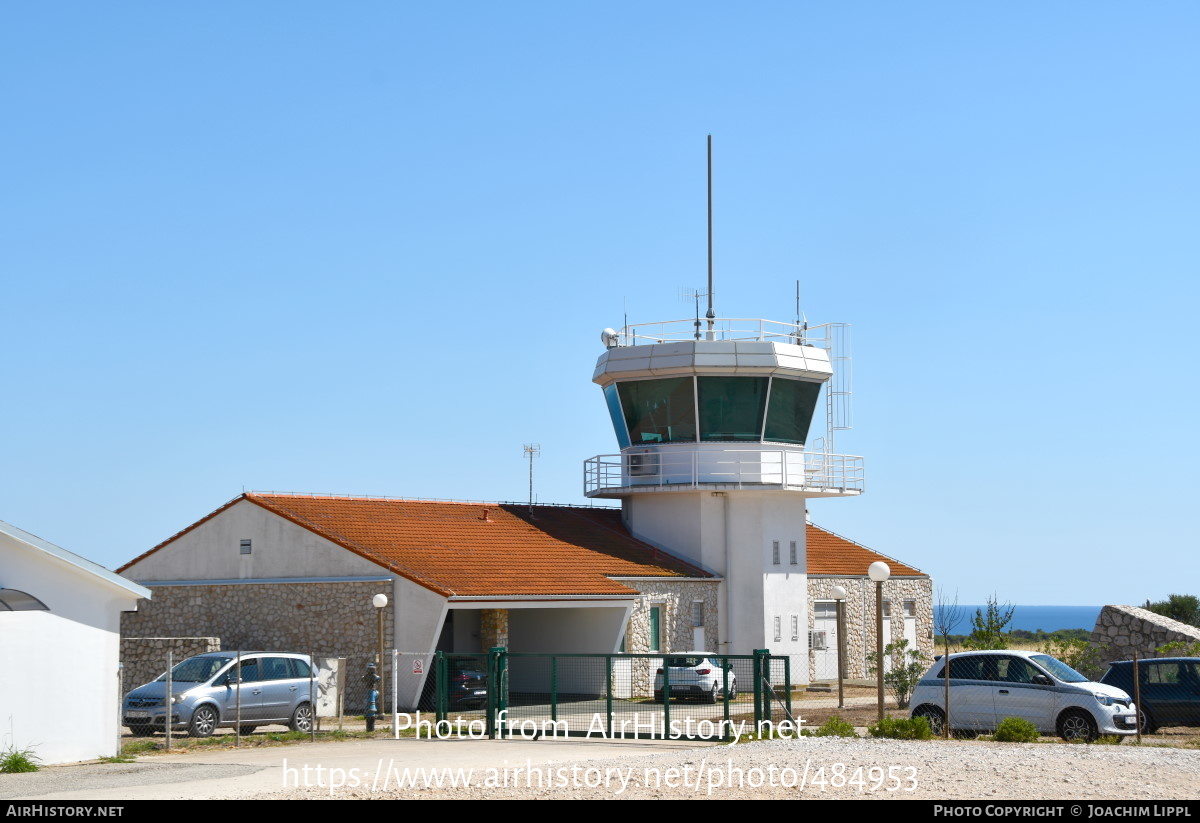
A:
[987,686]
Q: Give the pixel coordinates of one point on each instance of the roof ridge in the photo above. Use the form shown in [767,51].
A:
[864,547]
[446,500]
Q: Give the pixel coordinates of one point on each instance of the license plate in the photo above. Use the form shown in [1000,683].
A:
[137,713]
[481,692]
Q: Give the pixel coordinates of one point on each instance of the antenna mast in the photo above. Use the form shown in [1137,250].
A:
[711,314]
[532,450]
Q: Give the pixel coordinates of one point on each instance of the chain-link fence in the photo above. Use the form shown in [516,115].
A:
[691,696]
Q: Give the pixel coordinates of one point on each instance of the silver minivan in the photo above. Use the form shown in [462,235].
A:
[211,690]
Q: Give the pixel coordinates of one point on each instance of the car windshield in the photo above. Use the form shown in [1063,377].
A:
[684,662]
[196,669]
[1058,668]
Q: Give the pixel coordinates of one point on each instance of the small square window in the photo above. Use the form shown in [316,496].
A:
[245,547]
[697,614]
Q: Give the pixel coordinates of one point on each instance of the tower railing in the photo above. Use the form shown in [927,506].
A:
[729,329]
[791,469]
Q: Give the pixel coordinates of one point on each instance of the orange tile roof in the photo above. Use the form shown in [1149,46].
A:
[479,549]
[829,553]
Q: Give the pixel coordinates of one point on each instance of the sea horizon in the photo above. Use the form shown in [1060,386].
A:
[1032,618]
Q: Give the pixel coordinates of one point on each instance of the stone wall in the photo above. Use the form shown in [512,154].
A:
[320,618]
[1122,630]
[145,658]
[860,615]
[675,598]
[493,628]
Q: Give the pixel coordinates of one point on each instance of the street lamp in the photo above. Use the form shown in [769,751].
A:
[879,572]
[380,602]
[839,594]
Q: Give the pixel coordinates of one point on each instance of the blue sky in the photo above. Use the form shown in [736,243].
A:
[368,249]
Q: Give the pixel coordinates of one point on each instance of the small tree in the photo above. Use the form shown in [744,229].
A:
[907,667]
[1182,607]
[987,629]
[1079,654]
[946,618]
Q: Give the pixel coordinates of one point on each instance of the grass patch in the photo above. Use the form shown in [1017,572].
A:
[16,761]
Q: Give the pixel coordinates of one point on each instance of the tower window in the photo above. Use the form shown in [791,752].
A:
[795,627]
[778,628]
[792,554]
[775,552]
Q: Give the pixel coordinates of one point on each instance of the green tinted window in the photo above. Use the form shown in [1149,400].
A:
[790,411]
[614,411]
[731,408]
[659,411]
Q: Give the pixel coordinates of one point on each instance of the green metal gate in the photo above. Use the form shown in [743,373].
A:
[612,696]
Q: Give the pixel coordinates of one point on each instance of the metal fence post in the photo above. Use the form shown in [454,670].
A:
[608,695]
[787,685]
[666,694]
[395,694]
[725,665]
[440,696]
[312,692]
[168,703]
[554,688]
[762,701]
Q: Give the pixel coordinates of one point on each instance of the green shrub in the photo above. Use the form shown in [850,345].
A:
[835,727]
[1016,730]
[904,728]
[18,760]
[908,665]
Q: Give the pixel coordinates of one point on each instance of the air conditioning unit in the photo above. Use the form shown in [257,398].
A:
[643,465]
[817,640]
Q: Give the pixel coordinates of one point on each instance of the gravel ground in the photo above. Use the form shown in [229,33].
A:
[929,770]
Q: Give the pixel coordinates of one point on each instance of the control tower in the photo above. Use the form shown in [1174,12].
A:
[717,462]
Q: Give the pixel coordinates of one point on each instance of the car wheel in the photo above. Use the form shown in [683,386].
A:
[712,695]
[302,719]
[203,722]
[246,729]
[1146,720]
[1077,725]
[141,730]
[935,716]
[732,689]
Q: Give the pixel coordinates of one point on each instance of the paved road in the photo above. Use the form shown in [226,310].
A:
[239,773]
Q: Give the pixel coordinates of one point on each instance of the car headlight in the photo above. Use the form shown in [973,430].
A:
[1104,699]
[178,698]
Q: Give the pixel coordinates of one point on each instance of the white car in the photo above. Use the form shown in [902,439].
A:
[695,674]
[988,686]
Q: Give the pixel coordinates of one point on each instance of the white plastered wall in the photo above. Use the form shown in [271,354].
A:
[60,691]
[278,549]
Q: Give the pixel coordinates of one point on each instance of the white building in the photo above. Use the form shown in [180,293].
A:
[713,427]
[60,620]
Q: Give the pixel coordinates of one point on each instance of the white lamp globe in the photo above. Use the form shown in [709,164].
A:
[879,571]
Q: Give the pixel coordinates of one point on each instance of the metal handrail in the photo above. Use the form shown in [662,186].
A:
[728,329]
[740,467]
